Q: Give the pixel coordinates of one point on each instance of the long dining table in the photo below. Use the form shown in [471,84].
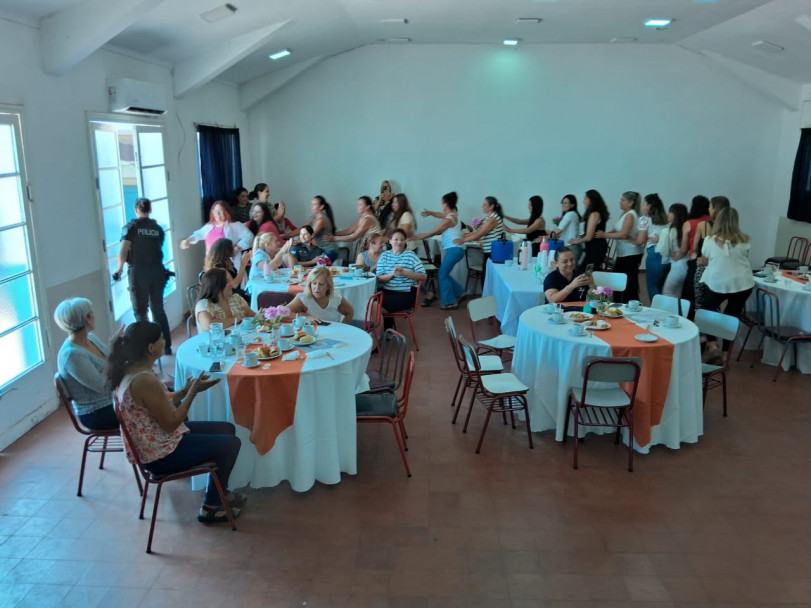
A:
[668,409]
[296,419]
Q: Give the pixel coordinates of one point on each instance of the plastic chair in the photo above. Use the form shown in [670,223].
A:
[490,364]
[205,468]
[798,248]
[481,309]
[389,374]
[192,295]
[110,440]
[273,298]
[726,328]
[606,407]
[674,306]
[499,392]
[408,315]
[386,407]
[474,258]
[617,281]
[768,307]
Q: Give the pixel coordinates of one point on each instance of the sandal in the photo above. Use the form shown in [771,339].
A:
[235,499]
[453,306]
[215,514]
[429,300]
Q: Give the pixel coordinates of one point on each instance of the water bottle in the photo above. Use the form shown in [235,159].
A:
[216,338]
[523,255]
[543,254]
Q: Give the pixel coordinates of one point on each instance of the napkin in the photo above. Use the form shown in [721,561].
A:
[291,356]
[318,354]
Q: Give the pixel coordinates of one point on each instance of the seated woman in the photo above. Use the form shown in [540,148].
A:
[221,255]
[565,284]
[306,252]
[218,303]
[165,444]
[267,255]
[81,362]
[399,271]
[320,301]
[369,256]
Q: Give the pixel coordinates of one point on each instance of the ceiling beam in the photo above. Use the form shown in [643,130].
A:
[69,36]
[200,69]
[258,89]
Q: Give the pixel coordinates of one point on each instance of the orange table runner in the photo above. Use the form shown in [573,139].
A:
[264,401]
[788,274]
[654,381]
[297,288]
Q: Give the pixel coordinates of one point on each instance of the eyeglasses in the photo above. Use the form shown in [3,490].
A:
[219,212]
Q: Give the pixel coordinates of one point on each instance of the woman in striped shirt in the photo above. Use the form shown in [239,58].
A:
[399,272]
[492,229]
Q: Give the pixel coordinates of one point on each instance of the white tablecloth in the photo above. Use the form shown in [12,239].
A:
[795,310]
[516,290]
[322,443]
[357,291]
[550,361]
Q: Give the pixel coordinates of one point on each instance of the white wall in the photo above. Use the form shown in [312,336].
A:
[57,149]
[543,119]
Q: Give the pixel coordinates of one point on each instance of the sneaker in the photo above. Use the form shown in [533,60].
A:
[454,306]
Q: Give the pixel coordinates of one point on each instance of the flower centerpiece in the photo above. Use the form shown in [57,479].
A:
[476,222]
[270,318]
[323,260]
[602,296]
[556,220]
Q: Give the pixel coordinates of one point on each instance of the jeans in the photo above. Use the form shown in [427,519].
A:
[735,303]
[146,288]
[655,272]
[629,266]
[102,419]
[449,289]
[206,442]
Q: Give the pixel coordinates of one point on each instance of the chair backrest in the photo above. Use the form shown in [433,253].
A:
[474,258]
[611,369]
[482,308]
[343,255]
[374,312]
[768,309]
[450,328]
[610,257]
[402,402]
[717,324]
[125,433]
[617,281]
[674,306]
[469,357]
[393,350]
[66,401]
[273,298]
[797,247]
[192,295]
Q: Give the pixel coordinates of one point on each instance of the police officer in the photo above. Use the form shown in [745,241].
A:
[142,249]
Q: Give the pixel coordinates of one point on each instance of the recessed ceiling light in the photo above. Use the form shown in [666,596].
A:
[394,40]
[511,41]
[219,13]
[394,21]
[767,47]
[622,40]
[528,20]
[658,23]
[280,54]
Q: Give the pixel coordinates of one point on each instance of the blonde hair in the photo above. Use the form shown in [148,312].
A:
[633,198]
[726,227]
[261,241]
[316,273]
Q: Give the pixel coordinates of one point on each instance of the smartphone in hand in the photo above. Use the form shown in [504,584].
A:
[216,367]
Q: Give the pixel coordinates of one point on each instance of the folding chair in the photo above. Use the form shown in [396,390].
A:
[768,307]
[726,328]
[674,306]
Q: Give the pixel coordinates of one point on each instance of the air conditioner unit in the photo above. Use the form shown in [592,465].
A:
[136,97]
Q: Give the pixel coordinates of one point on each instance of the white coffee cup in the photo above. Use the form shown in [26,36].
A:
[671,321]
[557,317]
[357,271]
[251,359]
[285,344]
[633,304]
[309,329]
[577,330]
[288,329]
[204,350]
[550,308]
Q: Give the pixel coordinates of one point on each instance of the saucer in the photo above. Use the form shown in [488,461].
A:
[646,337]
[676,326]
[553,322]
[574,335]
[637,309]
[250,366]
[284,350]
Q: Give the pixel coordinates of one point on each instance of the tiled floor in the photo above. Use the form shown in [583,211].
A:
[721,523]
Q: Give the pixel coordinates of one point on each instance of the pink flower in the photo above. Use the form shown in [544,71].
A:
[271,313]
[603,291]
[476,222]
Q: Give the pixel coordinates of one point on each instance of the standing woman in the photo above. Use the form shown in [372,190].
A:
[164,442]
[728,276]
[365,226]
[403,218]
[703,229]
[699,212]
[323,226]
[535,225]
[569,225]
[81,362]
[260,221]
[596,217]
[399,271]
[241,208]
[219,256]
[629,254]
[492,229]
[678,250]
[652,223]
[382,204]
[371,254]
[284,227]
[220,226]
[260,193]
[449,290]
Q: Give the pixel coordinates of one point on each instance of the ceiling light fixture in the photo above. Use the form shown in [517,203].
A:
[658,24]
[219,13]
[528,20]
[767,47]
[622,40]
[511,41]
[394,21]
[280,54]
[394,40]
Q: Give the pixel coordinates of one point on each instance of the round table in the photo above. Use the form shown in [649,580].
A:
[795,311]
[322,442]
[356,290]
[550,361]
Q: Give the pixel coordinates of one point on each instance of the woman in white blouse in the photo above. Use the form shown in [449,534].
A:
[218,303]
[651,223]
[569,225]
[728,276]
[629,254]
[677,250]
[220,226]
[320,301]
[403,218]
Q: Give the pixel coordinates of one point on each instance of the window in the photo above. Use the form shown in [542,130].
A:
[20,330]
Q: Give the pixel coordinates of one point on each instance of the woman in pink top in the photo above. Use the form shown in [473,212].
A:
[163,441]
[220,226]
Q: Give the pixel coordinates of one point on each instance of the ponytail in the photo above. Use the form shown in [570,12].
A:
[128,349]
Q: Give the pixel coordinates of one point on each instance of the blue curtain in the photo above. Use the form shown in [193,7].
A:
[220,165]
[799,205]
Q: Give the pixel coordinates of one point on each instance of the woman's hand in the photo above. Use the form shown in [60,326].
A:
[599,234]
[654,239]
[458,241]
[580,281]
[245,260]
[286,247]
[184,244]
[399,272]
[508,229]
[425,213]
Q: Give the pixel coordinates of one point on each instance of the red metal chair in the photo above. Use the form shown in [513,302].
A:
[594,406]
[408,315]
[768,308]
[99,442]
[386,407]
[389,373]
[205,468]
[273,298]
[499,393]
[798,248]
[373,319]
